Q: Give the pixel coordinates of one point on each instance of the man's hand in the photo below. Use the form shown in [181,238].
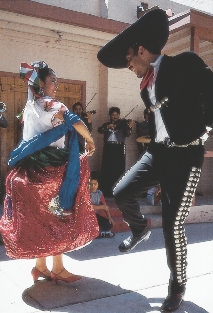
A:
[131,123]
[111,126]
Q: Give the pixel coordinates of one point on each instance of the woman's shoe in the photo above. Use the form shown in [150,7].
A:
[36,274]
[70,279]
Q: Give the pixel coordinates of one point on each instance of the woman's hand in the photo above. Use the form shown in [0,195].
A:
[90,146]
[89,117]
[60,114]
[83,131]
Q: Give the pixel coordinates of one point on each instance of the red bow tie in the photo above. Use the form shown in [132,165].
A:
[147,77]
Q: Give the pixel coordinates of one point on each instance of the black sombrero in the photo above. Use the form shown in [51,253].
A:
[150,31]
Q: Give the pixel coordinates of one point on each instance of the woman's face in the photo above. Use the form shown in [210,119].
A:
[78,110]
[50,85]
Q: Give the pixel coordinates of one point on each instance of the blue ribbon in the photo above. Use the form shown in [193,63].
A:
[72,175]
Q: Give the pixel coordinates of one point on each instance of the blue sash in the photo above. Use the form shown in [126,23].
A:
[72,175]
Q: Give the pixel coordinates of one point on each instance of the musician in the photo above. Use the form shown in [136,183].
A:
[170,86]
[77,108]
[114,151]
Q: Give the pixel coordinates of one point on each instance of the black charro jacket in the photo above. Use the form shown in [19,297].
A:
[187,82]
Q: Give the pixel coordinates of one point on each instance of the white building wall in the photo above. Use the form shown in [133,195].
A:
[93,7]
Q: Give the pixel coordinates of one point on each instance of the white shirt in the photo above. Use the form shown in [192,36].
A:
[38,119]
[161,132]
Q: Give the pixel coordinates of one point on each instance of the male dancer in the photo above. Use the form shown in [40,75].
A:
[179,96]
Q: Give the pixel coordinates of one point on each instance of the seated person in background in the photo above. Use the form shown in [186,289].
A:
[77,108]
[154,195]
[99,203]
[142,130]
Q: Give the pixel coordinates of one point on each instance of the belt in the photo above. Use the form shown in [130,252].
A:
[114,142]
[169,144]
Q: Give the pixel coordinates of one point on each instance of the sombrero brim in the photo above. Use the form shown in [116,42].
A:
[150,31]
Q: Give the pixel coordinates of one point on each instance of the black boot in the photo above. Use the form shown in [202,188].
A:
[132,241]
[174,298]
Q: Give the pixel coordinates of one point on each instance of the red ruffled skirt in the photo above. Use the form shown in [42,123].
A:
[29,230]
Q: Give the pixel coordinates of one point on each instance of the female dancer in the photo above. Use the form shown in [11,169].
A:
[47,207]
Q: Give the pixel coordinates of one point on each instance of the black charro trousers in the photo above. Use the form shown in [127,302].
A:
[177,169]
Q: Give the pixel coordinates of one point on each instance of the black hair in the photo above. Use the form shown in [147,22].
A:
[135,48]
[114,109]
[94,175]
[42,74]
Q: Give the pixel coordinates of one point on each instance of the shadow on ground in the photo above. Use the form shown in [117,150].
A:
[89,293]
[45,295]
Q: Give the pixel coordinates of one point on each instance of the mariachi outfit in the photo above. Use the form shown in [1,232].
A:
[180,99]
[46,174]
[184,81]
[114,154]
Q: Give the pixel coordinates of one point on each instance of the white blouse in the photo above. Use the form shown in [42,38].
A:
[39,116]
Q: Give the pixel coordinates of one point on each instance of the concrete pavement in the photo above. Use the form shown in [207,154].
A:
[134,282]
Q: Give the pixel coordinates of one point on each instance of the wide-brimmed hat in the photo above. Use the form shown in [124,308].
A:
[150,31]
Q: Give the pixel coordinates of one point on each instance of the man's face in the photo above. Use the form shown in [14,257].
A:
[114,116]
[136,62]
[78,110]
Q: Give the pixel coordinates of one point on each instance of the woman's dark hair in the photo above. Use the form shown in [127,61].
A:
[114,109]
[76,104]
[42,74]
